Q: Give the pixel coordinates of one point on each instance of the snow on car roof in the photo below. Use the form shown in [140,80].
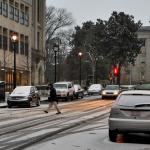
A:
[22,89]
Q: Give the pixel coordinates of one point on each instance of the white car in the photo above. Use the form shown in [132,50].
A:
[95,89]
[64,90]
[79,92]
[24,95]
[111,91]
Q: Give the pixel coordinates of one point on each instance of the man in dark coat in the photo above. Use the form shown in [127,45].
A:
[52,99]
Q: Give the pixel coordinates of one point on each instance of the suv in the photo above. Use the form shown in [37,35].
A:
[64,90]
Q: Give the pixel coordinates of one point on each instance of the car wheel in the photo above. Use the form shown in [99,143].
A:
[67,97]
[38,102]
[82,95]
[9,106]
[77,96]
[29,103]
[112,135]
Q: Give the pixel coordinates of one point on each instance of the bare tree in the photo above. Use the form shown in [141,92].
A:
[56,21]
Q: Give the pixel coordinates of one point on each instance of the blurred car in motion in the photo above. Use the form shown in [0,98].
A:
[64,90]
[145,86]
[79,92]
[127,87]
[111,91]
[130,113]
[95,89]
[24,95]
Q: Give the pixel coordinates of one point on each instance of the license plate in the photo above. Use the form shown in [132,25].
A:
[135,113]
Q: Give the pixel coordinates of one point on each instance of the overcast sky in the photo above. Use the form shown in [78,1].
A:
[85,10]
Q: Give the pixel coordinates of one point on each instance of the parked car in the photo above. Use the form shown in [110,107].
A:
[64,90]
[24,95]
[2,91]
[95,89]
[111,91]
[130,113]
[79,92]
[43,90]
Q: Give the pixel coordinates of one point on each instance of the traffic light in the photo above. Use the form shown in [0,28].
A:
[116,71]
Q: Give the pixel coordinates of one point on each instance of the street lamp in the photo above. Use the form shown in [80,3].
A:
[80,55]
[14,39]
[55,48]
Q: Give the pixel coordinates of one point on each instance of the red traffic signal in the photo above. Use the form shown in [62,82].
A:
[116,71]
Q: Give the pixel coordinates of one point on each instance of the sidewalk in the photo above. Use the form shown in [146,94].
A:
[4,104]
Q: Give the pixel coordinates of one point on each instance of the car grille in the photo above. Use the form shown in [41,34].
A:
[109,93]
[17,97]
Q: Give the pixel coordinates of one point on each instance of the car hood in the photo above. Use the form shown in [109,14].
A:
[19,94]
[59,89]
[93,89]
[110,90]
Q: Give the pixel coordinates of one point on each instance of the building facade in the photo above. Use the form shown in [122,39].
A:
[140,72]
[25,18]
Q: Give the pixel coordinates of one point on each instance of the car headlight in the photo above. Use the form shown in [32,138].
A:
[103,92]
[116,92]
[8,98]
[63,92]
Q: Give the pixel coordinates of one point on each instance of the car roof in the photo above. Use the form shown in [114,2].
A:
[62,82]
[24,87]
[145,92]
[112,85]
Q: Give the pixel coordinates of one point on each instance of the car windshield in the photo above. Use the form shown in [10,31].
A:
[60,86]
[133,100]
[112,87]
[21,90]
[94,86]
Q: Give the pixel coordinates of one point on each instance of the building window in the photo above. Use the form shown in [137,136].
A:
[11,12]
[22,45]
[38,10]
[5,39]
[26,17]
[0,37]
[0,41]
[0,8]
[16,15]
[22,17]
[38,40]
[5,9]
[26,45]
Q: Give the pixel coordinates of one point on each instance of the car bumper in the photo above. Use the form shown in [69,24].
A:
[109,95]
[61,95]
[15,102]
[129,125]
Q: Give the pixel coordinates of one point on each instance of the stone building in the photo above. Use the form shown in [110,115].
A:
[140,72]
[25,18]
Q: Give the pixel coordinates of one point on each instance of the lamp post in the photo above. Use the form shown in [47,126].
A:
[96,69]
[80,55]
[55,47]
[14,38]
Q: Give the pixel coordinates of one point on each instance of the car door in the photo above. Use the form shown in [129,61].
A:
[33,94]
